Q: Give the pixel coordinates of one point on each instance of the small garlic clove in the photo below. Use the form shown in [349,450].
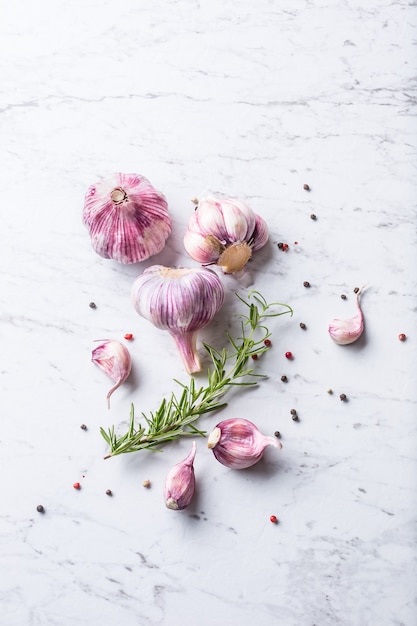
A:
[113,358]
[344,332]
[127,218]
[180,483]
[260,234]
[238,444]
[181,301]
[206,248]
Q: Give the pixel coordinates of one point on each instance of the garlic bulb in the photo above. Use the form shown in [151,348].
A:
[181,301]
[113,358]
[224,232]
[180,483]
[127,218]
[237,443]
[349,330]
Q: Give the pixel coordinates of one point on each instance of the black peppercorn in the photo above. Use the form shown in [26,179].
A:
[280,245]
[302,325]
[313,216]
[284,378]
[294,417]
[40,508]
[343,397]
[92,305]
[293,412]
[343,296]
[306,187]
[277,434]
[109,492]
[83,427]
[306,283]
[356,290]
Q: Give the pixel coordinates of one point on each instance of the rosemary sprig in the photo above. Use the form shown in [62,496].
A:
[177,416]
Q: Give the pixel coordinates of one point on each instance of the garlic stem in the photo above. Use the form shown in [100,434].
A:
[187,347]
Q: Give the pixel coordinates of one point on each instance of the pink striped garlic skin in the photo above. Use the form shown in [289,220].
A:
[127,218]
[224,231]
[238,444]
[181,301]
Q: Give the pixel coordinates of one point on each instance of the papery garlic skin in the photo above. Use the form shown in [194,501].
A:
[127,218]
[114,359]
[344,332]
[224,231]
[180,483]
[181,301]
[238,444]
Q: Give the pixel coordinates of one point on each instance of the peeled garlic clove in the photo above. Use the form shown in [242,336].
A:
[127,218]
[224,232]
[180,483]
[347,331]
[237,443]
[113,358]
[181,301]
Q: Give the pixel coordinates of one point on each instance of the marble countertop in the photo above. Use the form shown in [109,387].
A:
[240,99]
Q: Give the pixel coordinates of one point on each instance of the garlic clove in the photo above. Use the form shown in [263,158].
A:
[344,332]
[181,301]
[238,444]
[205,248]
[208,217]
[180,483]
[113,358]
[127,218]
[238,218]
[260,234]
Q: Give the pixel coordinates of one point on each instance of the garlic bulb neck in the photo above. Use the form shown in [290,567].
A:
[187,347]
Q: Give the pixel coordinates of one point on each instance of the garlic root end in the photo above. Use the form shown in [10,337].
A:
[214,437]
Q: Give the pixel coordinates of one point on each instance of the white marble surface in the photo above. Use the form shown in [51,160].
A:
[242,99]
